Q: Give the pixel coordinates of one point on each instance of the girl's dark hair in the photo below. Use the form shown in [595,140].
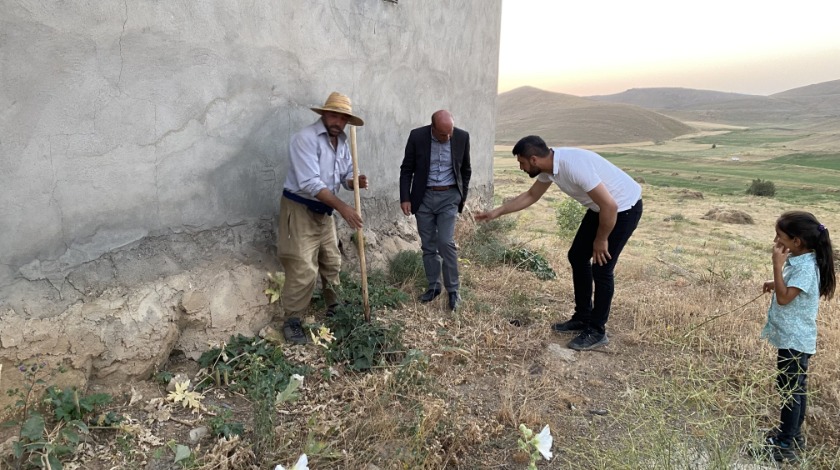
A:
[814,235]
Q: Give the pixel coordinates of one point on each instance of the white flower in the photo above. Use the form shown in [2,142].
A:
[543,441]
[301,464]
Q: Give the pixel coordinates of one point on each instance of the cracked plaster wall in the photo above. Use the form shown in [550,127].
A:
[140,137]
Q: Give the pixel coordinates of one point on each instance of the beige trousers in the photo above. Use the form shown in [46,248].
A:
[306,245]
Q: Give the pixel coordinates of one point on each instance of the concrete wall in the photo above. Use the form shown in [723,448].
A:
[139,137]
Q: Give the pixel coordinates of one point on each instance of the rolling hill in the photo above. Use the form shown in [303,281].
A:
[563,119]
[669,98]
[799,106]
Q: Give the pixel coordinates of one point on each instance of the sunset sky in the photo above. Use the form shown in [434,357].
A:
[602,47]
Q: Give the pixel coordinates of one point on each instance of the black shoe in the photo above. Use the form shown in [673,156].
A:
[331,310]
[293,331]
[569,326]
[589,339]
[429,295]
[454,301]
[783,450]
[780,450]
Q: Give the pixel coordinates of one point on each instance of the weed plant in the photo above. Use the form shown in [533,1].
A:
[44,441]
[489,245]
[568,215]
[245,363]
[261,392]
[381,292]
[222,425]
[486,245]
[528,260]
[359,344]
[406,269]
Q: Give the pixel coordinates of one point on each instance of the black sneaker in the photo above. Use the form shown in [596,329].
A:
[569,326]
[589,339]
[331,310]
[293,331]
[798,441]
[783,450]
[780,450]
[429,295]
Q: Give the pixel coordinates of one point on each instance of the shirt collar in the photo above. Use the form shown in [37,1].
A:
[434,139]
[809,257]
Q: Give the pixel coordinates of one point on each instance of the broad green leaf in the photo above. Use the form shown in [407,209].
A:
[33,428]
[181,452]
[55,464]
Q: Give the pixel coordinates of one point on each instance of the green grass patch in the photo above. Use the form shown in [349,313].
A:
[748,138]
[826,161]
[795,183]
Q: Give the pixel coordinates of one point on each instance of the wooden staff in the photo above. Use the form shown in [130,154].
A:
[360,236]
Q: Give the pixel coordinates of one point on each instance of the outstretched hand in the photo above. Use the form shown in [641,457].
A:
[484,216]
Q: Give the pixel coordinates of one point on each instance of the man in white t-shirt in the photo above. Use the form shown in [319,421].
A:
[614,206]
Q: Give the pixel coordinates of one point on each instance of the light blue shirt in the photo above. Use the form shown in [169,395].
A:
[794,326]
[440,164]
[314,164]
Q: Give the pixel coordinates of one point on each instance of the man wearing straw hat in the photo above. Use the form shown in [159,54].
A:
[319,162]
[434,179]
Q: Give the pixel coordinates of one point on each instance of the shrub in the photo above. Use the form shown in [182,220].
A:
[359,344]
[406,269]
[525,259]
[246,363]
[762,188]
[486,246]
[568,214]
[489,246]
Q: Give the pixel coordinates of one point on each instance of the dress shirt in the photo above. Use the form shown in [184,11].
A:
[440,164]
[314,164]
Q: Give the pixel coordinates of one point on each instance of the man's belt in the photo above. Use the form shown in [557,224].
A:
[317,207]
[441,188]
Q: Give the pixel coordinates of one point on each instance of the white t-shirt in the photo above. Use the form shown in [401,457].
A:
[578,171]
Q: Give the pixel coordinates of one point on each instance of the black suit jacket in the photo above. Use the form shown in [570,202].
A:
[414,171]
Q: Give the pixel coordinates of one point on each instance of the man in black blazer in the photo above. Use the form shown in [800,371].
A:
[434,179]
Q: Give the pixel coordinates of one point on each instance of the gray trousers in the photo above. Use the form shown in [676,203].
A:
[436,226]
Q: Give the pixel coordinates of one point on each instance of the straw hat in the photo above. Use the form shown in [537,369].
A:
[339,103]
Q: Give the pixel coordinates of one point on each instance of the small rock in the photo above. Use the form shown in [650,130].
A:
[7,448]
[177,379]
[198,433]
[559,352]
[600,412]
[272,336]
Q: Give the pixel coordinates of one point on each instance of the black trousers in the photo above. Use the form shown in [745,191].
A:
[594,311]
[792,383]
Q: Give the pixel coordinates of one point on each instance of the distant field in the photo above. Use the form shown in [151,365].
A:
[750,137]
[804,179]
[827,161]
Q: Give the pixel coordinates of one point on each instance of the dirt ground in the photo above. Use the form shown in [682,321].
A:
[495,364]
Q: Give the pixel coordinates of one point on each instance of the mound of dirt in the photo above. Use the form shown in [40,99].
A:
[689,194]
[729,216]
